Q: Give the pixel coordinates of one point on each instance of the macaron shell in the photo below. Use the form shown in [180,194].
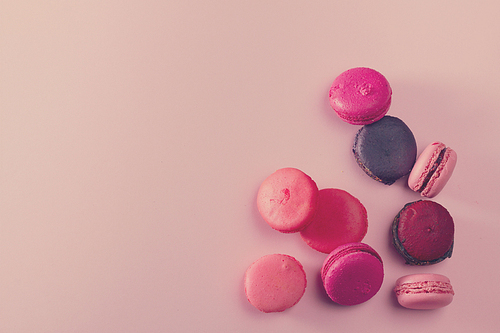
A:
[423,232]
[424,165]
[287,200]
[385,150]
[425,301]
[275,282]
[352,274]
[340,218]
[424,291]
[360,96]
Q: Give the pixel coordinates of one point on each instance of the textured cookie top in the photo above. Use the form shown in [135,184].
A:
[360,96]
[386,150]
[423,233]
[275,282]
[287,200]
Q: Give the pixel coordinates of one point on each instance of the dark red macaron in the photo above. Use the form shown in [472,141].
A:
[423,233]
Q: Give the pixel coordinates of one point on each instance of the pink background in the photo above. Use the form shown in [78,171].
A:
[134,136]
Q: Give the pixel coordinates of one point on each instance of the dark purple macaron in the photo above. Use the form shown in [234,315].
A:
[423,233]
[386,150]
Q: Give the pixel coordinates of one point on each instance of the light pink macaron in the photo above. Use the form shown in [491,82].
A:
[275,282]
[424,291]
[360,96]
[433,169]
[287,200]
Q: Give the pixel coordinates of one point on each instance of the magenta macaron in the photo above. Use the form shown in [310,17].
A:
[287,200]
[432,170]
[424,291]
[352,273]
[360,96]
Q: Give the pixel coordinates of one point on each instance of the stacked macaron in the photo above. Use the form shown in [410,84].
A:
[334,222]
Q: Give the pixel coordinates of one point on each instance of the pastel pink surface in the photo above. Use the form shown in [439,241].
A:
[340,218]
[352,274]
[275,282]
[424,291]
[427,174]
[360,96]
[287,200]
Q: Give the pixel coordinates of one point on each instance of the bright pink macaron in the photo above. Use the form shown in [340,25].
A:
[287,200]
[424,291]
[352,274]
[340,218]
[433,169]
[360,96]
[275,282]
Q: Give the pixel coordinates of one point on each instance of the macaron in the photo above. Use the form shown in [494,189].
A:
[385,150]
[352,274]
[360,96]
[275,282]
[287,200]
[340,218]
[423,233]
[424,291]
[433,169]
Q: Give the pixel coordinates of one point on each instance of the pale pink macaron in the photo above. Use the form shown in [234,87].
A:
[433,169]
[424,291]
[360,96]
[275,282]
[287,200]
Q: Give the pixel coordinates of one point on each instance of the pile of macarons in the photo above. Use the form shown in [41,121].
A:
[334,222]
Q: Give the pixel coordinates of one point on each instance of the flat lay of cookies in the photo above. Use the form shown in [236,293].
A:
[249,166]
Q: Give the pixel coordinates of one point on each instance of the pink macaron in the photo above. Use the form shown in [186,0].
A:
[432,170]
[287,200]
[340,218]
[360,96]
[424,291]
[352,273]
[275,282]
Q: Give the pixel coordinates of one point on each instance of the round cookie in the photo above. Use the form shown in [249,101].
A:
[423,233]
[386,150]
[287,200]
[340,218]
[360,96]
[424,291]
[433,169]
[352,274]
[275,282]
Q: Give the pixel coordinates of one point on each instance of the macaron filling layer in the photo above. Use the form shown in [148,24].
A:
[432,171]
[424,287]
